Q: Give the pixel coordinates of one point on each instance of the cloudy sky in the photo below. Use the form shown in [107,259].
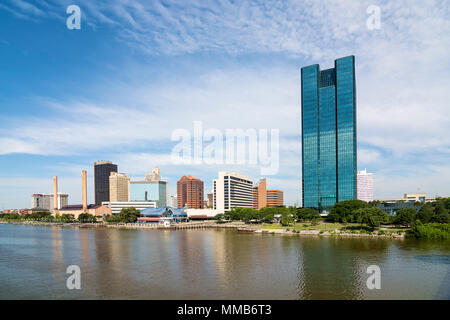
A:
[138,70]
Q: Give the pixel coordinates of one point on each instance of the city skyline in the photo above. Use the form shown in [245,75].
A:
[120,100]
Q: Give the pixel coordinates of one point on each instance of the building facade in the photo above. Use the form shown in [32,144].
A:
[144,191]
[329,134]
[260,194]
[45,201]
[365,186]
[116,207]
[232,189]
[99,211]
[102,171]
[190,192]
[210,200]
[275,198]
[118,187]
[154,176]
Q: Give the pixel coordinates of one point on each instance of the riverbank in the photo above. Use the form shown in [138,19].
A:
[323,229]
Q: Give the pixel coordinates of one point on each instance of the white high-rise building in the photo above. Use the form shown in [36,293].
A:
[45,201]
[365,186]
[232,189]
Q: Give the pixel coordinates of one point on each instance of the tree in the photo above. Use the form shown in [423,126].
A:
[343,211]
[286,217]
[126,215]
[440,213]
[426,213]
[86,218]
[372,217]
[308,214]
[405,217]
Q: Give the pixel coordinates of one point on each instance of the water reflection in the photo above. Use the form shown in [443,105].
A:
[216,264]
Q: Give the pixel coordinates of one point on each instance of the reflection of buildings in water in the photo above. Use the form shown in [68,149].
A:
[57,249]
[335,268]
[84,245]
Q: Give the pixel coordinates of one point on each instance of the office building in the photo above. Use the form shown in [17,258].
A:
[328,134]
[260,195]
[46,201]
[409,197]
[118,187]
[190,192]
[102,171]
[275,198]
[154,191]
[365,186]
[232,189]
[263,198]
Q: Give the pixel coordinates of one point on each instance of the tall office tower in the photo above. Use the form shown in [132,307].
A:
[102,171]
[231,190]
[260,195]
[190,192]
[118,187]
[365,186]
[154,176]
[328,134]
[275,198]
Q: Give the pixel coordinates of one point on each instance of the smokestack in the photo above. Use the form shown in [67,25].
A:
[83,173]
[55,193]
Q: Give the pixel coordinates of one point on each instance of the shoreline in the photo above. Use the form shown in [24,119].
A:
[239,226]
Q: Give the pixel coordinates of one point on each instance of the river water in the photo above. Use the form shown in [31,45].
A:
[215,264]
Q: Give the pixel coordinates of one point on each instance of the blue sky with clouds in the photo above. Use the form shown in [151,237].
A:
[138,70]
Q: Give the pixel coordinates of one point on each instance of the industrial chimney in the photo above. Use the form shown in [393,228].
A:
[83,173]
[55,194]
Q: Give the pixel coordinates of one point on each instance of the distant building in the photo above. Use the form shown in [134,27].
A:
[260,195]
[392,208]
[365,186]
[99,211]
[154,176]
[232,189]
[155,191]
[190,192]
[263,198]
[118,187]
[102,171]
[275,198]
[45,201]
[410,197]
[210,200]
[173,201]
[116,207]
[328,99]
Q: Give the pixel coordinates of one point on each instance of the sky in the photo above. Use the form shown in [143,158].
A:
[137,71]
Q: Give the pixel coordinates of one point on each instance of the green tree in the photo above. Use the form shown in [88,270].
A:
[126,215]
[440,213]
[86,218]
[425,213]
[308,214]
[405,217]
[344,211]
[372,217]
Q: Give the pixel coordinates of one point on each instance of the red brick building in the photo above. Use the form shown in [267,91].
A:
[190,192]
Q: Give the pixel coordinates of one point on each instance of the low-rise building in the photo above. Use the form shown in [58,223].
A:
[116,207]
[99,211]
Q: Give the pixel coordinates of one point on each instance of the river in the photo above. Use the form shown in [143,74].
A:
[215,264]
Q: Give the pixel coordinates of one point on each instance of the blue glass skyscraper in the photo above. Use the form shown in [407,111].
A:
[328,134]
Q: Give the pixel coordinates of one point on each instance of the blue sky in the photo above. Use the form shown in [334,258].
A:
[138,70]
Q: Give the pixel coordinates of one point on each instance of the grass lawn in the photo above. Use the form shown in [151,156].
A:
[327,226]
